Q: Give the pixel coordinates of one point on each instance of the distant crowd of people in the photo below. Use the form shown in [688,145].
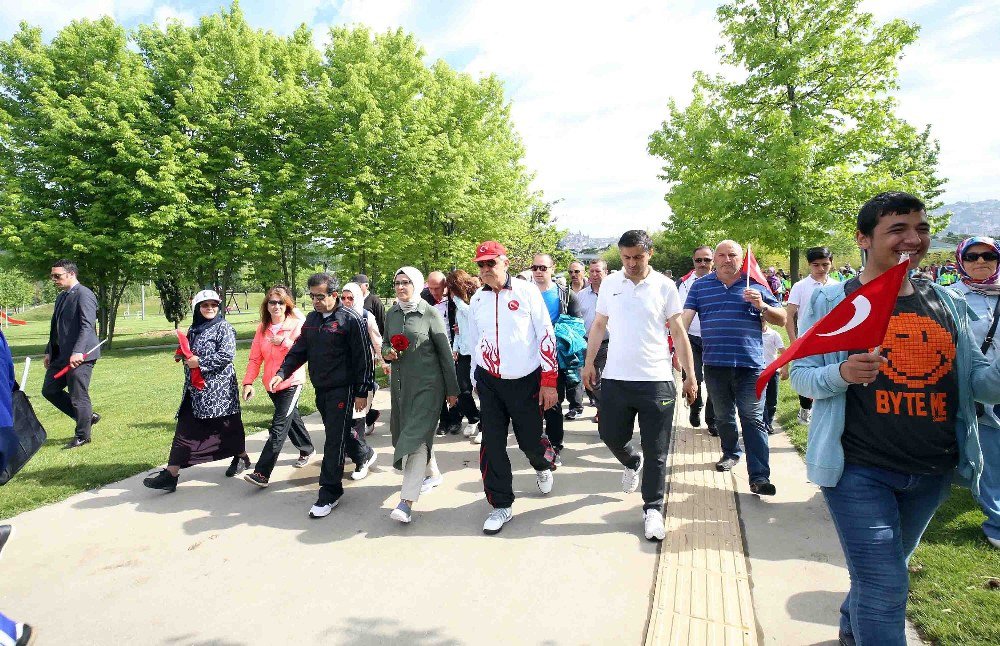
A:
[890,428]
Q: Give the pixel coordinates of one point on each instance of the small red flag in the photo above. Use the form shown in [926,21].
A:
[858,322]
[752,269]
[184,349]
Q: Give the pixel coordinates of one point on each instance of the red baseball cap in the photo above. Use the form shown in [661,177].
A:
[489,250]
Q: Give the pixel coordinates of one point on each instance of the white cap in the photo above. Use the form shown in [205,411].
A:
[205,295]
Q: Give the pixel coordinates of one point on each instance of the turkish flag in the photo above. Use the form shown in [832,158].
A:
[184,350]
[858,322]
[752,269]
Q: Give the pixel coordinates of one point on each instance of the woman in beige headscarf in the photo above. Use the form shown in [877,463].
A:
[422,376]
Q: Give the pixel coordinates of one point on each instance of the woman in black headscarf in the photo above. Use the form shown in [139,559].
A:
[209,427]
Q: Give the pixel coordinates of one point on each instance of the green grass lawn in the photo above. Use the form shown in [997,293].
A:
[137,394]
[951,602]
[130,331]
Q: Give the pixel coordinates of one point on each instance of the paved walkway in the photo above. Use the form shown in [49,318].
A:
[220,562]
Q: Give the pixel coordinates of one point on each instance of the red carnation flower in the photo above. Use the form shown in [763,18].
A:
[399,342]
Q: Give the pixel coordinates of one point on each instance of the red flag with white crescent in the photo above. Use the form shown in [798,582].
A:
[752,269]
[858,322]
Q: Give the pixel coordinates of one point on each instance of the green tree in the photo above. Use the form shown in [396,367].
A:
[85,176]
[785,157]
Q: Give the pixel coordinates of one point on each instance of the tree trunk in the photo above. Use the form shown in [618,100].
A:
[793,255]
[796,242]
[293,278]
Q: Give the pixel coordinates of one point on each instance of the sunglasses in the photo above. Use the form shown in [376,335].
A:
[703,260]
[576,271]
[209,305]
[539,267]
[402,283]
[318,297]
[486,263]
[57,276]
[988,256]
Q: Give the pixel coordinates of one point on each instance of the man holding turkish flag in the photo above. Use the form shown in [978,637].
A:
[889,428]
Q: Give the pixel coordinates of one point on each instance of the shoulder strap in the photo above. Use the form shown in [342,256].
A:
[993,328]
[563,299]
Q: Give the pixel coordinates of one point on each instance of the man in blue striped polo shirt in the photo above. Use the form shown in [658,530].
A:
[733,354]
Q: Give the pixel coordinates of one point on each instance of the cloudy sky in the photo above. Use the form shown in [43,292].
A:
[588,85]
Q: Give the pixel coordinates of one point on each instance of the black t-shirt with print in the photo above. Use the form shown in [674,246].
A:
[905,420]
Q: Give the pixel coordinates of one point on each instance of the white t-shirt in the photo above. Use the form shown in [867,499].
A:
[802,291]
[637,325]
[586,299]
[772,343]
[695,328]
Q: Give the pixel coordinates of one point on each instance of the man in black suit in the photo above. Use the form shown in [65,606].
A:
[71,334]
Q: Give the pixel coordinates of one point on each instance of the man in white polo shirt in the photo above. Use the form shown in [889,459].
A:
[638,306]
[820,261]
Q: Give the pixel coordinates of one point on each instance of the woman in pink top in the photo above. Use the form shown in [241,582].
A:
[278,329]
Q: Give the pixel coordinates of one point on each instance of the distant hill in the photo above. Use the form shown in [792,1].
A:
[981,218]
[579,241]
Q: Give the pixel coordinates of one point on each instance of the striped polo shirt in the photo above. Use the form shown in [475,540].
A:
[730,326]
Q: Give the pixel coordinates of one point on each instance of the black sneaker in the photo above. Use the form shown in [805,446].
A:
[454,429]
[239,464]
[162,480]
[27,637]
[557,461]
[726,464]
[695,418]
[713,431]
[762,488]
[573,414]
[94,419]
[441,432]
[256,478]
[6,531]
[846,639]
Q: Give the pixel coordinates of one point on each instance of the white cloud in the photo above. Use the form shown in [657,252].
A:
[164,14]
[52,15]
[379,15]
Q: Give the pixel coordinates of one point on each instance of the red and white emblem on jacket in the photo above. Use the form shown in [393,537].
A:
[513,305]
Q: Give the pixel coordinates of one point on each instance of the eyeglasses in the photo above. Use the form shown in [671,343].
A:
[58,276]
[576,271]
[273,303]
[486,263]
[318,297]
[401,283]
[209,305]
[703,260]
[988,256]
[346,297]
[539,267]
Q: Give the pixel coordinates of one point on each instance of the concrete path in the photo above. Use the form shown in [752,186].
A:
[221,562]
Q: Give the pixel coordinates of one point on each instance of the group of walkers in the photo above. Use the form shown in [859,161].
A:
[889,428]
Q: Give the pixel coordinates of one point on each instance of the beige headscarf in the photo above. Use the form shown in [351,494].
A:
[417,279]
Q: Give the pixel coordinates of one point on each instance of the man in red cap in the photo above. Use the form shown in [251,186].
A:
[514,370]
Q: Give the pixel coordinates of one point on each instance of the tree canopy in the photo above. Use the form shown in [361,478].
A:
[785,156]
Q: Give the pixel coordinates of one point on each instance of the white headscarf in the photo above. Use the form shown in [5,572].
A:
[418,286]
[359,300]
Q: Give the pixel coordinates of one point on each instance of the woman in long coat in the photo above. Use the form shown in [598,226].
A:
[423,375]
[209,426]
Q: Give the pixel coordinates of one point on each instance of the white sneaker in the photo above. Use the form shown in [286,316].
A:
[805,415]
[361,472]
[995,542]
[401,513]
[478,437]
[321,511]
[497,519]
[630,477]
[430,482]
[470,430]
[544,479]
[655,531]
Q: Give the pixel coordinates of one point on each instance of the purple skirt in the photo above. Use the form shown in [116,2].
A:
[205,440]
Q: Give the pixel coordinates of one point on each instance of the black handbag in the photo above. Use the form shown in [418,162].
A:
[29,433]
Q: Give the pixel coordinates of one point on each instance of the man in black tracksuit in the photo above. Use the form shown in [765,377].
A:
[339,352]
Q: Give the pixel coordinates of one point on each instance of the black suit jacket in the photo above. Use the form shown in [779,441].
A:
[73,328]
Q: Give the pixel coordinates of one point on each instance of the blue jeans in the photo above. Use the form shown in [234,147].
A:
[880,516]
[732,390]
[989,481]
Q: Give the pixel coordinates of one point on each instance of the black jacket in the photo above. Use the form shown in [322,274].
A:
[72,329]
[374,305]
[338,349]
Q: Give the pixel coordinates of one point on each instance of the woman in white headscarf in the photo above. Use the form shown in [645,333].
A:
[352,297]
[423,375]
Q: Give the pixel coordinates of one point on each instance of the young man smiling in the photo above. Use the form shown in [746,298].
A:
[891,428]
[639,305]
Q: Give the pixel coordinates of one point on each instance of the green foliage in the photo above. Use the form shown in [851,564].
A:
[784,158]
[15,289]
[173,296]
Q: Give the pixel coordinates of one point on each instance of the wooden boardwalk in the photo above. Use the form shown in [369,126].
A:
[702,590]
